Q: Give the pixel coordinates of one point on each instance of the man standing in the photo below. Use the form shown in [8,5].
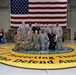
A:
[36,27]
[23,28]
[30,27]
[59,32]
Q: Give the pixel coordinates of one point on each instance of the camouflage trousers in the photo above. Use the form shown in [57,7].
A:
[20,46]
[29,46]
[44,46]
[36,46]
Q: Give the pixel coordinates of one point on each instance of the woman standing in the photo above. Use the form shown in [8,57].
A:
[52,40]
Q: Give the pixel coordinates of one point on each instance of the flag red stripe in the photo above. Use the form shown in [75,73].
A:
[35,8]
[44,22]
[47,3]
[47,12]
[45,17]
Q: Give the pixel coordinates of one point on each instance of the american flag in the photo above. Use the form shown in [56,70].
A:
[38,11]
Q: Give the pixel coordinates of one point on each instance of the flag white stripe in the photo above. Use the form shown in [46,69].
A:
[38,20]
[39,10]
[48,5]
[38,15]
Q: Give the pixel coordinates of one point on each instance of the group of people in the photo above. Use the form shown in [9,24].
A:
[38,38]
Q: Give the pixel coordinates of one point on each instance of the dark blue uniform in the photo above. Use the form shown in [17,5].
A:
[51,41]
[36,28]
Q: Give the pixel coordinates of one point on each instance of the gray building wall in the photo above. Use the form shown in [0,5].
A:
[4,19]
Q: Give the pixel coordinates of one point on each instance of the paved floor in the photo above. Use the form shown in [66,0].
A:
[8,70]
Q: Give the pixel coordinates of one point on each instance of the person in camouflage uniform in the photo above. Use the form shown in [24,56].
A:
[36,40]
[57,29]
[23,28]
[19,42]
[28,40]
[8,36]
[44,40]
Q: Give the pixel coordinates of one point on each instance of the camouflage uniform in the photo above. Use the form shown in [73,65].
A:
[23,29]
[10,35]
[44,41]
[36,41]
[28,42]
[59,32]
[19,43]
